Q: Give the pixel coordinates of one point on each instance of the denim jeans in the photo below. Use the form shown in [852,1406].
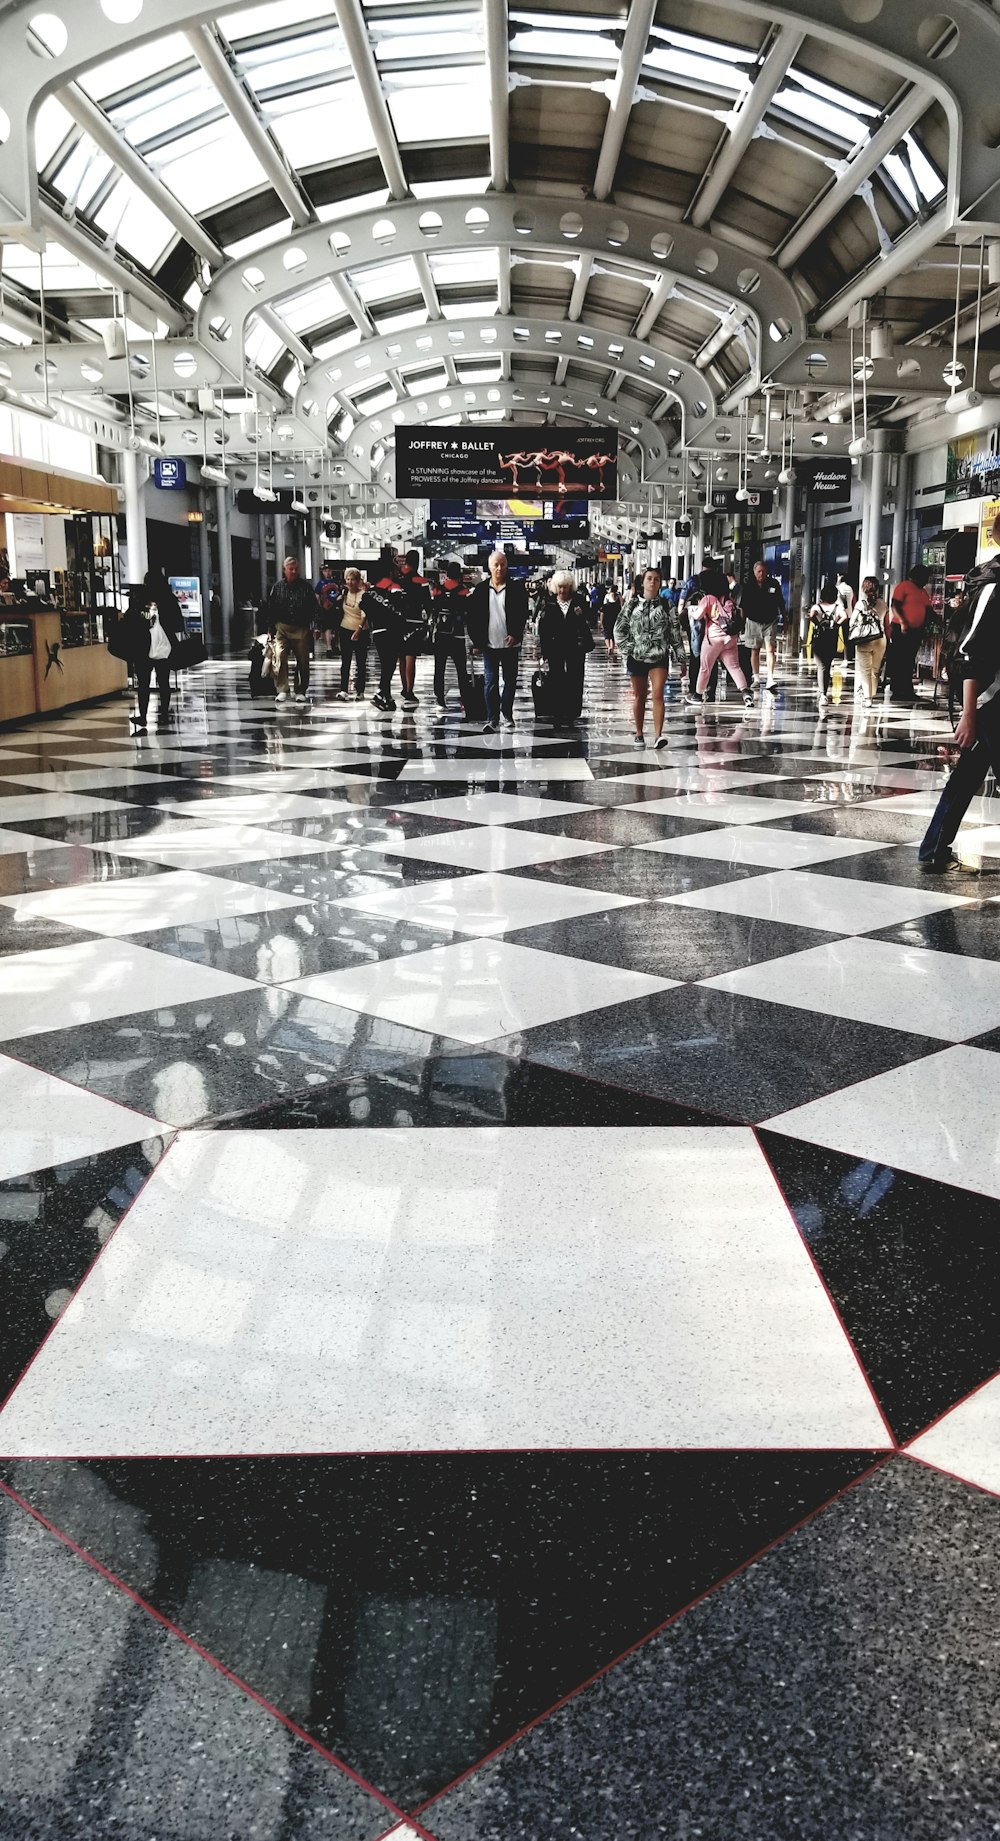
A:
[500,663]
[967,777]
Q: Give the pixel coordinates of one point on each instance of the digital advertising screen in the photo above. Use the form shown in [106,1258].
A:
[506,463]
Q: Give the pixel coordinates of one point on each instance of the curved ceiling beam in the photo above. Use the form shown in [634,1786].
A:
[712,264]
[416,412]
[900,33]
[466,339]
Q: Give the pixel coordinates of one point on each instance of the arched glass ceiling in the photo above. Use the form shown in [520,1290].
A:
[304,145]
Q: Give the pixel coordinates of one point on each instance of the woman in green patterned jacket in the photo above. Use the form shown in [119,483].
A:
[651,634]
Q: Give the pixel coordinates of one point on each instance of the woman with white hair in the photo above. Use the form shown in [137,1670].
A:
[564,639]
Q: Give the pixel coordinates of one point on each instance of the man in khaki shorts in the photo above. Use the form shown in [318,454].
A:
[291,607]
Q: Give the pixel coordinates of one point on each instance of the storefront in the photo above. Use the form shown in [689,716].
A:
[59,570]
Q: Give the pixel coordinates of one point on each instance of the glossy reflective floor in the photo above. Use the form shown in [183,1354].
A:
[500,1239]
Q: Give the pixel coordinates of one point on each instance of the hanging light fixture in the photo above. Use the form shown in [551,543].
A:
[954,372]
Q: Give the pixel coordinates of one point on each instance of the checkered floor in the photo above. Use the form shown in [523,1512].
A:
[520,1132]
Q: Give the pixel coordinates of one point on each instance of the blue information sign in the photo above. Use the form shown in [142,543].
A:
[169,475]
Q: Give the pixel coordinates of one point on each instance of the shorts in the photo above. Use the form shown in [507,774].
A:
[641,668]
[754,634]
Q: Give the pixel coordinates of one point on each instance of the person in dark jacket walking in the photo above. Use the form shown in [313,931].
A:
[564,639]
[382,606]
[762,605]
[498,615]
[416,612]
[446,625]
[291,608]
[153,627]
[977,733]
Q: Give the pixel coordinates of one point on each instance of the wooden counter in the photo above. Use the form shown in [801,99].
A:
[55,675]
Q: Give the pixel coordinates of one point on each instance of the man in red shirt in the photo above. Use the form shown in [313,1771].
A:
[910,606]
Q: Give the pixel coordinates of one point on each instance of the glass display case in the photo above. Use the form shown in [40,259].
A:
[83,629]
[92,579]
[15,639]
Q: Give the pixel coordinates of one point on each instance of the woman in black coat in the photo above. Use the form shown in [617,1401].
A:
[564,639]
[154,626]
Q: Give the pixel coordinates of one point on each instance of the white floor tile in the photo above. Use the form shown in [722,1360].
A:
[129,755]
[48,1121]
[88,779]
[966,1441]
[23,843]
[254,808]
[874,981]
[21,808]
[64,987]
[296,780]
[478,989]
[836,904]
[198,846]
[499,766]
[695,779]
[139,903]
[492,808]
[490,847]
[486,905]
[760,844]
[386,1291]
[938,1117]
[725,808]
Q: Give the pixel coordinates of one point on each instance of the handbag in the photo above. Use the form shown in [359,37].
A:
[542,695]
[117,641]
[188,651]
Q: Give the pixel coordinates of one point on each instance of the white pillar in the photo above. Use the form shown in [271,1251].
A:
[135,517]
[788,512]
[699,541]
[874,491]
[225,566]
[900,520]
[798,631]
[315,544]
[205,570]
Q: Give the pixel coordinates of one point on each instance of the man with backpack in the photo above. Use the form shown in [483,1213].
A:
[416,610]
[977,733]
[383,607]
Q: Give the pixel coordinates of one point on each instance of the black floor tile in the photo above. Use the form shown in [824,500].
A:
[337,874]
[669,942]
[194,1062]
[898,864]
[56,869]
[913,1267]
[645,875]
[115,1727]
[612,826]
[53,1224]
[974,932]
[870,822]
[471,1087]
[419,1609]
[20,932]
[734,1055]
[290,943]
[845,1684]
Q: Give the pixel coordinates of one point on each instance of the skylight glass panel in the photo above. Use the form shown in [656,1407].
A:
[135,66]
[439,105]
[429,35]
[554,47]
[817,112]
[374,400]
[325,124]
[261,345]
[468,309]
[82,173]
[927,176]
[261,239]
[450,188]
[400,322]
[211,166]
[135,223]
[349,207]
[418,380]
[313,307]
[52,124]
[386,280]
[339,342]
[312,57]
[458,267]
[12,336]
[899,172]
[275,16]
[694,67]
[168,109]
[62,271]
[489,373]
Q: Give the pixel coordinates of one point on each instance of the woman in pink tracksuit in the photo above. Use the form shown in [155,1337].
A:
[720,642]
